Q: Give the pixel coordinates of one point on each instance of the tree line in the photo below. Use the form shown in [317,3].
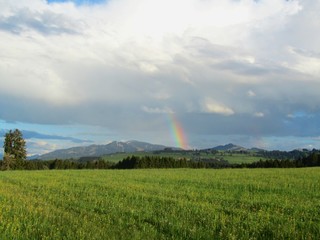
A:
[284,155]
[312,160]
[134,162]
[144,162]
[15,155]
[130,162]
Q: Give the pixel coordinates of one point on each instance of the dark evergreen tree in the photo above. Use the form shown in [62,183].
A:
[15,152]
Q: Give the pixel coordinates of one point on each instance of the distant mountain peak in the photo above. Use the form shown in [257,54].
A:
[255,149]
[229,147]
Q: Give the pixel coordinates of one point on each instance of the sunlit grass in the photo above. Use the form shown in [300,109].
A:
[161,204]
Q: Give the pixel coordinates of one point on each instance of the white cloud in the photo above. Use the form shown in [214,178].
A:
[40,147]
[147,67]
[251,93]
[212,106]
[259,114]
[304,61]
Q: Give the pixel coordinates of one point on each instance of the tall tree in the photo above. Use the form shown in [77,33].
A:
[14,150]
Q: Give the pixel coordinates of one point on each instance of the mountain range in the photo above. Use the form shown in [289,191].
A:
[119,147]
[100,150]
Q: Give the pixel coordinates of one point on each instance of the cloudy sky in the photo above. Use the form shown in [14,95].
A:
[82,72]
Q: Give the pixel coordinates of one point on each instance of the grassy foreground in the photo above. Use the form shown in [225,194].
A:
[161,204]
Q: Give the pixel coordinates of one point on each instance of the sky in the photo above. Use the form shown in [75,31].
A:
[87,72]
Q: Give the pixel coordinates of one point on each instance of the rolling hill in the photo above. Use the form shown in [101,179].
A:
[100,150]
[229,147]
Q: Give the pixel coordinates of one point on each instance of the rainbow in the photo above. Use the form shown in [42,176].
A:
[177,132]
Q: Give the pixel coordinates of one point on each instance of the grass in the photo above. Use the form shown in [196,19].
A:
[161,204]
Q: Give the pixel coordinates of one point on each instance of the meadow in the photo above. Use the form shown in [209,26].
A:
[161,204]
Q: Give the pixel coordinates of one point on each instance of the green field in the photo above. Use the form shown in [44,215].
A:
[161,204]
